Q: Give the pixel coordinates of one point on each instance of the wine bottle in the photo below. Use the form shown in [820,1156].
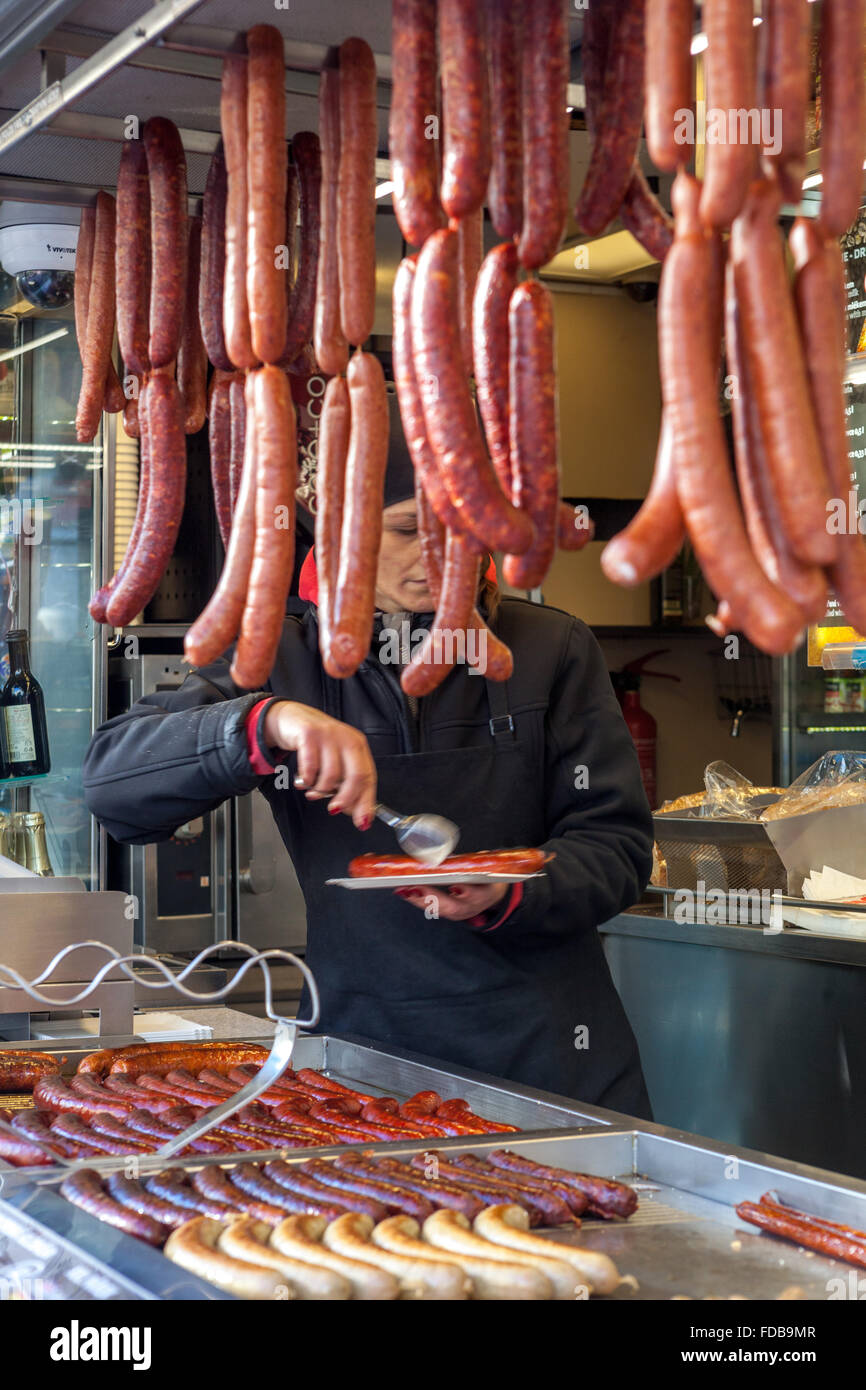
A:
[22,714]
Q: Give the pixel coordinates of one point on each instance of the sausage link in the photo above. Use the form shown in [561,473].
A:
[783,87]
[52,1093]
[576,1201]
[405,1192]
[136,1095]
[654,537]
[438,653]
[94,1090]
[819,294]
[98,604]
[238,434]
[643,215]
[793,1226]
[449,412]
[534,433]
[71,1126]
[83,272]
[604,1195]
[113,397]
[437,1191]
[162,419]
[20,1071]
[293,208]
[173,1186]
[730,164]
[84,1189]
[616,90]
[318,1171]
[465,106]
[100,321]
[574,531]
[274,548]
[215,1184]
[155,1127]
[192,358]
[362,514]
[302,304]
[356,191]
[544,1208]
[334,431]
[545,64]
[503,861]
[266,182]
[504,46]
[132,258]
[135,1197]
[431,538]
[219,422]
[103,1123]
[166,164]
[470,253]
[233,123]
[414,163]
[375,1195]
[97,1063]
[769,326]
[409,400]
[688,355]
[217,626]
[668,78]
[213,262]
[331,349]
[158,1058]
[843,113]
[298,1192]
[21,1153]
[804,583]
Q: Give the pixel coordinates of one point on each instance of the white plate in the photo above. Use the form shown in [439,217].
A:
[422,880]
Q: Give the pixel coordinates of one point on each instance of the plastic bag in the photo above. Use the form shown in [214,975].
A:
[728,794]
[836,779]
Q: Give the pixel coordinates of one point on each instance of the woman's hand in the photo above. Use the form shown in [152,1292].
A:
[333,758]
[456,902]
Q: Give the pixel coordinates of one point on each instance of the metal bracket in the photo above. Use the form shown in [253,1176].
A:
[92,71]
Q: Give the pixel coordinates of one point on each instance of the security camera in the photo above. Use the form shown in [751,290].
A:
[37,247]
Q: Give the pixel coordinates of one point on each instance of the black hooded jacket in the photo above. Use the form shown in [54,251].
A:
[175,755]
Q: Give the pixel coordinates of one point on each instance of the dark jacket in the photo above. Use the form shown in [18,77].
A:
[177,754]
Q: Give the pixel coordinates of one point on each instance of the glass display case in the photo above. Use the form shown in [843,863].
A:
[50,538]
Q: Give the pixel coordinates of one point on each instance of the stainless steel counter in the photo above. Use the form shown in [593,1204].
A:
[753,1039]
[685,1239]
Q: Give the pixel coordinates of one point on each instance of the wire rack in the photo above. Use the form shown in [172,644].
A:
[285,1031]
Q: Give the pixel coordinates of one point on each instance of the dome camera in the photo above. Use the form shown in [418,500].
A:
[37,248]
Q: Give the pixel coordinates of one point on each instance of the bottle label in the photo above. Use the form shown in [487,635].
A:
[20,743]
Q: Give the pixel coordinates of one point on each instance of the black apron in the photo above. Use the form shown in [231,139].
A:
[387,972]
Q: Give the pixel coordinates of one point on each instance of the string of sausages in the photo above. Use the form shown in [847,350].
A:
[770,546]
[457,315]
[255,300]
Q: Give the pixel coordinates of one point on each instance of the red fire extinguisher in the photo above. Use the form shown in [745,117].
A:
[641,724]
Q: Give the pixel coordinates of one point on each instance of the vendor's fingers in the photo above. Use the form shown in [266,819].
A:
[308,755]
[356,794]
[330,771]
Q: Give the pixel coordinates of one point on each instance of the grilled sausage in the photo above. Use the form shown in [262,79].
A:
[84,1189]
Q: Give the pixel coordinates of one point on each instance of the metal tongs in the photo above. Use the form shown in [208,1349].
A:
[284,1035]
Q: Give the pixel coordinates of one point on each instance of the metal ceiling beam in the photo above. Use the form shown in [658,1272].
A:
[81,125]
[24,24]
[93,70]
[197,50]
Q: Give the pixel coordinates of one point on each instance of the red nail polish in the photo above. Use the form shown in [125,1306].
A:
[366,822]
[401,893]
[333,810]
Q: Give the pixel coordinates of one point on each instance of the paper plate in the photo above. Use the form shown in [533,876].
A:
[423,880]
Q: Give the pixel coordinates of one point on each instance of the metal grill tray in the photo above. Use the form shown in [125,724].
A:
[684,1241]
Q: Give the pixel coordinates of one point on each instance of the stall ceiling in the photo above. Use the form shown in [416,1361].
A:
[192,102]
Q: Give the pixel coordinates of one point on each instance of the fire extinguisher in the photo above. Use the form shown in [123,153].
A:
[641,724]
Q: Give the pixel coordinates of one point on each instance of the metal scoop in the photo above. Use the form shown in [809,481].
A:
[427,838]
